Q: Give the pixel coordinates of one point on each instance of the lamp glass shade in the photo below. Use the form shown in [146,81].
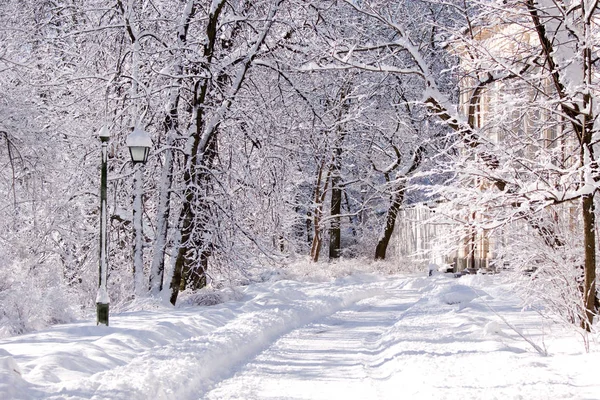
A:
[139,144]
[104,134]
[139,154]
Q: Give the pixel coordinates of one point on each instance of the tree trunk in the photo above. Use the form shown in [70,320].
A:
[317,241]
[315,248]
[589,278]
[397,200]
[335,235]
[190,266]
[195,278]
[171,124]
[194,274]
[390,222]
[157,267]
[184,255]
[587,201]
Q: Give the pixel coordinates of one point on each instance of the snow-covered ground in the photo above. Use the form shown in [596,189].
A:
[358,337]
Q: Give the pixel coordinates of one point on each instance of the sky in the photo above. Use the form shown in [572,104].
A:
[361,336]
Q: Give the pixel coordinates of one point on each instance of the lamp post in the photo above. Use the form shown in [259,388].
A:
[102,299]
[139,144]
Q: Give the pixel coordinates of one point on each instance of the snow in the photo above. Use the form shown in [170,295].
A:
[358,337]
[139,138]
[102,296]
[104,133]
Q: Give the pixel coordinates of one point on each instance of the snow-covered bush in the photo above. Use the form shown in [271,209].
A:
[32,301]
[549,278]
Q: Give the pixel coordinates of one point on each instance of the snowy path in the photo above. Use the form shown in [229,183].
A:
[404,345]
[361,337]
[336,356]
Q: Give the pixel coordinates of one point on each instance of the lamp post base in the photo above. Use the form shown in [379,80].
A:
[102,314]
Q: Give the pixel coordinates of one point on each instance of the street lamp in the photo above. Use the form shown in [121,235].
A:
[139,144]
[102,299]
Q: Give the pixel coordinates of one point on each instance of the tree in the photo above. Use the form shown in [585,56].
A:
[47,251]
[555,62]
[410,51]
[203,140]
[545,49]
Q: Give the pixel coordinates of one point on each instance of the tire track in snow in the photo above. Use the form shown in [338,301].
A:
[329,358]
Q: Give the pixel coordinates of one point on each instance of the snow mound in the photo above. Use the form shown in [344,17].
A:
[209,297]
[492,328]
[420,284]
[11,382]
[456,294]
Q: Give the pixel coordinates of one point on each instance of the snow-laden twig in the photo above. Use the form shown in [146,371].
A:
[541,350]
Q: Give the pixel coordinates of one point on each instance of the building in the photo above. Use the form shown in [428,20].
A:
[508,98]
